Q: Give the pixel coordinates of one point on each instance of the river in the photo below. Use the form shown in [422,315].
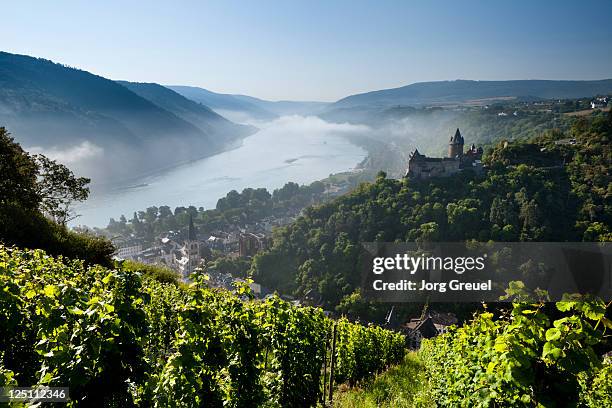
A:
[298,149]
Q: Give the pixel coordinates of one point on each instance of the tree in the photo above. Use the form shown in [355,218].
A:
[165,211]
[35,198]
[37,182]
[428,232]
[58,189]
[19,173]
[151,214]
[231,200]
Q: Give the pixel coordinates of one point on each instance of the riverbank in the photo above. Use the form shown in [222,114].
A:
[137,180]
[314,149]
[382,156]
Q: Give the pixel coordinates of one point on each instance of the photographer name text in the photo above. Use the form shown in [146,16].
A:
[442,287]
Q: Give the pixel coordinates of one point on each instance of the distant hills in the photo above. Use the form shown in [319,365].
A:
[463,91]
[224,103]
[131,128]
[281,108]
[117,130]
[193,112]
[243,107]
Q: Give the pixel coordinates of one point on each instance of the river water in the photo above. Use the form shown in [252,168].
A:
[298,149]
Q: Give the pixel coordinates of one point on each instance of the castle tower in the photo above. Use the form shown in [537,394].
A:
[455,145]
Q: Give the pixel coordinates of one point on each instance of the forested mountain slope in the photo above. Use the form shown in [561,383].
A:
[99,127]
[221,129]
[460,91]
[534,190]
[224,102]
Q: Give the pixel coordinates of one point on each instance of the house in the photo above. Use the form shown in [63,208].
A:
[215,242]
[418,329]
[599,103]
[150,256]
[251,243]
[129,250]
[430,324]
[168,248]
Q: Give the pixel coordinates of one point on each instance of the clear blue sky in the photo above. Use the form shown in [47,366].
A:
[315,50]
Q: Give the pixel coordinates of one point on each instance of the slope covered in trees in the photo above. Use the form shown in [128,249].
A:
[536,190]
[53,106]
[447,92]
[36,195]
[221,130]
[401,129]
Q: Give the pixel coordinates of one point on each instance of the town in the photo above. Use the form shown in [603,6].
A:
[248,218]
[191,239]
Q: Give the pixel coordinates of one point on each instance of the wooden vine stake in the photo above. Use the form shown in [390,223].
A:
[325,369]
[332,366]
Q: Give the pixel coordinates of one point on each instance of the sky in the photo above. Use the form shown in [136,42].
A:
[315,50]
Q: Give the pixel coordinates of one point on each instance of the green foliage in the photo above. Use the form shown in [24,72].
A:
[162,323]
[71,325]
[295,349]
[363,352]
[159,273]
[128,337]
[58,188]
[7,378]
[597,387]
[237,267]
[30,229]
[401,386]
[248,207]
[37,182]
[35,198]
[532,191]
[19,174]
[526,357]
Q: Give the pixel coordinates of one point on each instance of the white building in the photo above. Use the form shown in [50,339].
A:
[129,251]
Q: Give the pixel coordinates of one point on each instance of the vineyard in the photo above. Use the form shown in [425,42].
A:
[534,355]
[118,338]
[122,338]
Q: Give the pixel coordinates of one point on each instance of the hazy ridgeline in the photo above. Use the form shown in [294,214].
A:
[117,132]
[100,127]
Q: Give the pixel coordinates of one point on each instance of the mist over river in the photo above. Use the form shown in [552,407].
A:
[291,148]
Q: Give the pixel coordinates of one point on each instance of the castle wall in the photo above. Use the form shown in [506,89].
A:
[427,169]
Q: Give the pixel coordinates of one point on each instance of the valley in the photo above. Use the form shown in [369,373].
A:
[172,246]
[296,149]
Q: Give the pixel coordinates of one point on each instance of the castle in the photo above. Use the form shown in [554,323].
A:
[423,167]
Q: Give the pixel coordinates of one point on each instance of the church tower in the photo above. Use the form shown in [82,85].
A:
[191,248]
[191,235]
[455,146]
